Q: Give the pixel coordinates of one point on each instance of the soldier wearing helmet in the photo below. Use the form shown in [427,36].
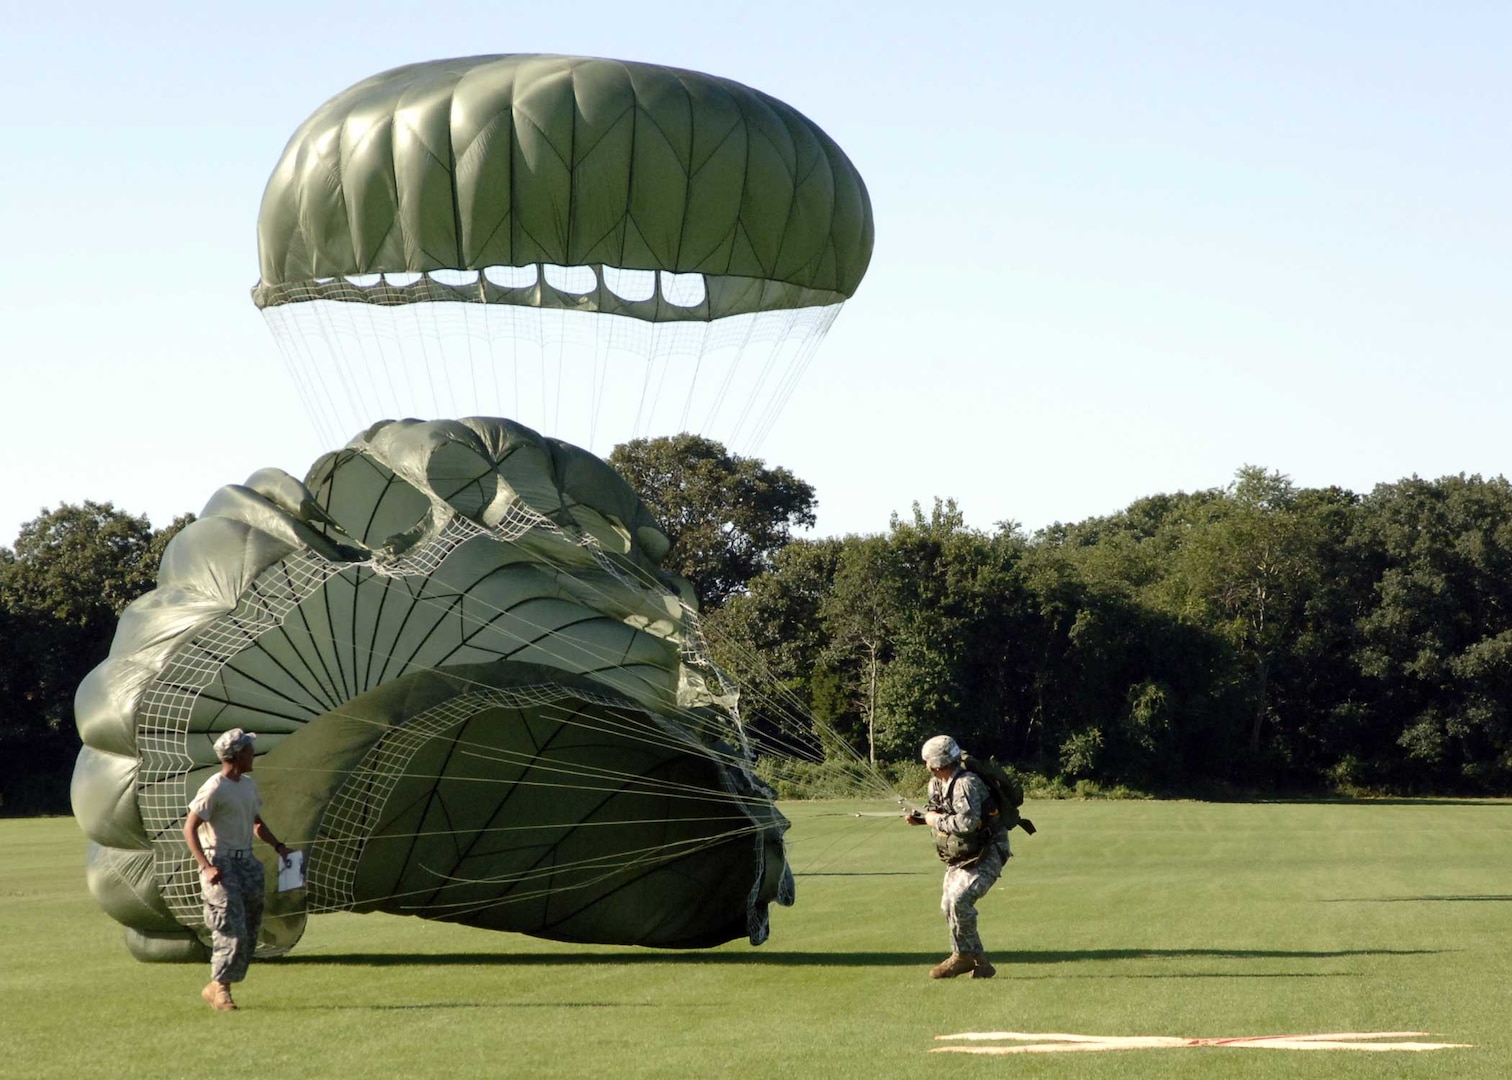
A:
[958,814]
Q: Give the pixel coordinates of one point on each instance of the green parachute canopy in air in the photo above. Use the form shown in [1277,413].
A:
[534,161]
[477,699]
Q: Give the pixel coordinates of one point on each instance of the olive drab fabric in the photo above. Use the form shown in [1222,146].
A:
[535,160]
[1007,791]
[476,696]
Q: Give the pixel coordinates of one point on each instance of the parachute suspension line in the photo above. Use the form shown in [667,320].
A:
[403,347]
[699,654]
[462,910]
[337,364]
[487,696]
[301,367]
[617,862]
[803,355]
[755,395]
[837,850]
[425,560]
[682,423]
[488,339]
[560,317]
[580,367]
[420,562]
[789,707]
[296,331]
[424,339]
[667,350]
[604,360]
[751,402]
[481,699]
[389,336]
[730,369]
[650,857]
[673,790]
[350,816]
[805,722]
[340,334]
[535,335]
[266,606]
[596,379]
[472,360]
[651,357]
[349,328]
[787,713]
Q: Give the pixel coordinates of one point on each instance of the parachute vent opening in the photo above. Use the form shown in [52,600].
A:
[455,278]
[683,290]
[633,285]
[574,280]
[508,277]
[579,374]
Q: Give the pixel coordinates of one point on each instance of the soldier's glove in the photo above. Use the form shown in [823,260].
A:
[914,817]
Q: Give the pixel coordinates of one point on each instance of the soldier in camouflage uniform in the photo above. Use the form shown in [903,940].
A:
[222,820]
[958,816]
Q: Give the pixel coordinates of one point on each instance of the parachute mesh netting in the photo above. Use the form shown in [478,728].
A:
[477,700]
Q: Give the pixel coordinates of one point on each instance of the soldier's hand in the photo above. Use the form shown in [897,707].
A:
[212,875]
[913,817]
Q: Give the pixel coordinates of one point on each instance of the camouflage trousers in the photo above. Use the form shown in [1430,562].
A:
[233,915]
[964,886]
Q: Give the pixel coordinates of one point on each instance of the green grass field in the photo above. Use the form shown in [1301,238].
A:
[1119,918]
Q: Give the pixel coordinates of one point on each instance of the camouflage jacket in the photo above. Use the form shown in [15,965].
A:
[959,807]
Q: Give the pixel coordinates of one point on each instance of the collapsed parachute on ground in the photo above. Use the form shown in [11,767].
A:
[478,701]
[598,248]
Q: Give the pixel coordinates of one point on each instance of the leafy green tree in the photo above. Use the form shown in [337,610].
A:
[1434,644]
[771,638]
[1123,691]
[1247,574]
[860,615]
[965,634]
[727,515]
[62,587]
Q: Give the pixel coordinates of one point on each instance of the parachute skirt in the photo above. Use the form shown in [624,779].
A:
[478,700]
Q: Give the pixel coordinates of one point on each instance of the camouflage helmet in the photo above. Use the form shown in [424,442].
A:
[940,751]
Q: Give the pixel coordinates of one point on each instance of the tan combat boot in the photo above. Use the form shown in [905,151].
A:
[953,965]
[984,968]
[218,994]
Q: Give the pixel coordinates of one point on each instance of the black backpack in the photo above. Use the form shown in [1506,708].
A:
[1006,790]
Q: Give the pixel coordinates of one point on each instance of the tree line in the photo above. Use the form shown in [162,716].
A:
[1255,637]
[1258,637]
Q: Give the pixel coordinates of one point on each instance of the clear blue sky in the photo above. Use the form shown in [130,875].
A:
[1121,248]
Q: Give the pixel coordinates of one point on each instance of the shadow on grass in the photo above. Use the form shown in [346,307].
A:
[865,873]
[497,1005]
[1345,800]
[763,957]
[1469,899]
